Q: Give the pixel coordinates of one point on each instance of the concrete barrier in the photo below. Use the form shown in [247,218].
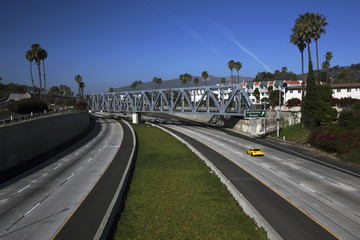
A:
[27,140]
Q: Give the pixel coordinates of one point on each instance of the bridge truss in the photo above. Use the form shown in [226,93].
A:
[211,100]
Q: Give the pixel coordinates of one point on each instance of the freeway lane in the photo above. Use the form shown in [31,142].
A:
[329,196]
[37,204]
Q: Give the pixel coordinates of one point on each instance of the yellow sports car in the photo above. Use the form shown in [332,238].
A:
[255,152]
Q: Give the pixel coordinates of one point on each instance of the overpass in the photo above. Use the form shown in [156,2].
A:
[227,100]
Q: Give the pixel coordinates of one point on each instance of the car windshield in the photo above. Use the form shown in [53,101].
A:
[256,149]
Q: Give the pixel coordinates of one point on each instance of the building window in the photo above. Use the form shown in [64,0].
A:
[338,90]
[299,91]
[349,90]
[291,91]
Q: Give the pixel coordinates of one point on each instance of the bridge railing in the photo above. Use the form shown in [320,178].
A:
[214,100]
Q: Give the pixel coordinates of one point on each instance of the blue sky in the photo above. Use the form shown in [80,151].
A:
[114,43]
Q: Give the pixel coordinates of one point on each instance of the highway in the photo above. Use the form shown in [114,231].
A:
[38,203]
[299,195]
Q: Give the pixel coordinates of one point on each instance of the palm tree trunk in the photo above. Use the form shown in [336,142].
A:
[238,78]
[302,62]
[32,80]
[232,79]
[317,55]
[44,77]
[39,79]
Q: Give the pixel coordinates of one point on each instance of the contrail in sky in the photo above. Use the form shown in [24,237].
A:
[185,27]
[232,39]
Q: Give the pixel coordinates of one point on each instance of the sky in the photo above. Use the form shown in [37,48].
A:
[114,43]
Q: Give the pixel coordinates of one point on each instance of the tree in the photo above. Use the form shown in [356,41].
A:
[82,86]
[302,29]
[325,68]
[111,89]
[36,51]
[30,57]
[324,113]
[182,79]
[43,55]
[134,85]
[139,83]
[155,80]
[231,65]
[204,76]
[78,80]
[238,66]
[187,78]
[257,94]
[223,80]
[276,74]
[283,71]
[300,43]
[318,28]
[196,81]
[310,100]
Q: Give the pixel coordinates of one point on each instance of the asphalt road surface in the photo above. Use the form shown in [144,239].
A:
[36,204]
[299,195]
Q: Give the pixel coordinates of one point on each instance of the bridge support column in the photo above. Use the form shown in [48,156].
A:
[135,118]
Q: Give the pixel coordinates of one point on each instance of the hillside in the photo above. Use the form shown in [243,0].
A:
[176,83]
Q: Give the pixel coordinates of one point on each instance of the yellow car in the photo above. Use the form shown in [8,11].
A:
[255,152]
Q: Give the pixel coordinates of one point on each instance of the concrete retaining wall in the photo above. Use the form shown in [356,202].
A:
[24,141]
[251,126]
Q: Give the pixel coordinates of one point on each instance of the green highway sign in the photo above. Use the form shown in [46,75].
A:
[255,113]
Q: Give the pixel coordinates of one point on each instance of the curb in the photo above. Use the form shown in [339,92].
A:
[242,201]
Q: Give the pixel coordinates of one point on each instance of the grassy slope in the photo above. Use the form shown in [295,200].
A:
[173,195]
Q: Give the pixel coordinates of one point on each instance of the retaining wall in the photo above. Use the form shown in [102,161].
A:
[27,140]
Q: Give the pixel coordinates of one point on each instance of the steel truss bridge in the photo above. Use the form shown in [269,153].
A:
[212,100]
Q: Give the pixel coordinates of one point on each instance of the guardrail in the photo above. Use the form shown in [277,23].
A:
[34,116]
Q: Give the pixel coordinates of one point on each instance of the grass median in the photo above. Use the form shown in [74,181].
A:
[174,195]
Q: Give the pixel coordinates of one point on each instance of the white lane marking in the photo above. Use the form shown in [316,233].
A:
[31,209]
[71,176]
[58,166]
[307,188]
[23,188]
[315,174]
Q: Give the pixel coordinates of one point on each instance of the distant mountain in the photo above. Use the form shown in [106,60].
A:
[176,83]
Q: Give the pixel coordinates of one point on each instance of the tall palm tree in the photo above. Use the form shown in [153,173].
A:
[223,81]
[303,28]
[182,79]
[187,78]
[300,43]
[196,81]
[159,81]
[155,80]
[204,75]
[78,80]
[318,28]
[231,65]
[43,56]
[36,51]
[30,57]
[238,66]
[82,86]
[328,56]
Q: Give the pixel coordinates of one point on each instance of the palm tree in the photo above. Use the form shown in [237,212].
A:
[78,80]
[187,78]
[111,89]
[296,40]
[204,75]
[231,65]
[182,79]
[155,80]
[238,66]
[319,23]
[43,55]
[223,80]
[30,57]
[328,56]
[82,86]
[196,81]
[36,51]
[159,81]
[303,28]
[283,71]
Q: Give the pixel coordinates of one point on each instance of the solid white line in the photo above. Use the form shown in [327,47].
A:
[58,166]
[31,209]
[307,188]
[71,176]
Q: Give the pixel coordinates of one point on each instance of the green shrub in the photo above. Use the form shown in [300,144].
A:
[28,106]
